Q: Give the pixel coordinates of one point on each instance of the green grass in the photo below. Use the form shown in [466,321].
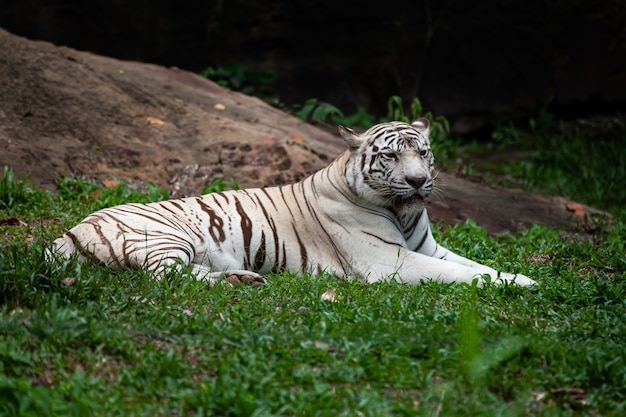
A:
[583,159]
[116,342]
[119,343]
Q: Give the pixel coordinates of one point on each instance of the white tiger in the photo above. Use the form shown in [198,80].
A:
[362,216]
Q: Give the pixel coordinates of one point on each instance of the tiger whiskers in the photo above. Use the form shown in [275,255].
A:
[439,191]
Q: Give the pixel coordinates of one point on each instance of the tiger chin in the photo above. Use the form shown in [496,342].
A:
[362,216]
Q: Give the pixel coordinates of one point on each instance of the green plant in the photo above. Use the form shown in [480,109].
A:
[317,111]
[98,196]
[15,193]
[240,78]
[359,120]
[439,125]
[218,185]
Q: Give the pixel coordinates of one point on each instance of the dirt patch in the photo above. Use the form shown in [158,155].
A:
[65,112]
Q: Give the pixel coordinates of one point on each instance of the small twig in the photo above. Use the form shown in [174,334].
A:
[440,405]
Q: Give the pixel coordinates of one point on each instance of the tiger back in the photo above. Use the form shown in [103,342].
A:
[362,216]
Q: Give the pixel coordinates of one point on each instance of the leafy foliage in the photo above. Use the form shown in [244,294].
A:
[218,185]
[240,78]
[16,194]
[439,128]
[318,111]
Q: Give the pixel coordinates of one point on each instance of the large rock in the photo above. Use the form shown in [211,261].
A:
[78,114]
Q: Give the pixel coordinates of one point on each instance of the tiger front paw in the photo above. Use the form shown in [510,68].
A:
[252,278]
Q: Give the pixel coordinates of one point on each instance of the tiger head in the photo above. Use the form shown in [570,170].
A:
[391,164]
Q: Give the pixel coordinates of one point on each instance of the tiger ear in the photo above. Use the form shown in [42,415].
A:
[350,136]
[422,124]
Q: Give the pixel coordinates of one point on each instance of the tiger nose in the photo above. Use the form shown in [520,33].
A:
[416,182]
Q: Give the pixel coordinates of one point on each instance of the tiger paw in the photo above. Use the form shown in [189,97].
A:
[253,279]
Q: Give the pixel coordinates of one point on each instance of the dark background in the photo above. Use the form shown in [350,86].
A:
[473,61]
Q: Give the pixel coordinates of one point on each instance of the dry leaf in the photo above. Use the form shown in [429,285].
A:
[564,395]
[219,106]
[539,395]
[575,208]
[68,282]
[323,346]
[154,121]
[570,395]
[541,259]
[329,295]
[297,137]
[188,312]
[110,183]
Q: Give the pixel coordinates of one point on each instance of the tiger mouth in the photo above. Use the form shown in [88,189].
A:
[415,197]
[410,199]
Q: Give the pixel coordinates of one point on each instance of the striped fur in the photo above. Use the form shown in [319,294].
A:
[362,216]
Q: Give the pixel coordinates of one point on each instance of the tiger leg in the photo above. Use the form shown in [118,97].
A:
[414,268]
[430,248]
